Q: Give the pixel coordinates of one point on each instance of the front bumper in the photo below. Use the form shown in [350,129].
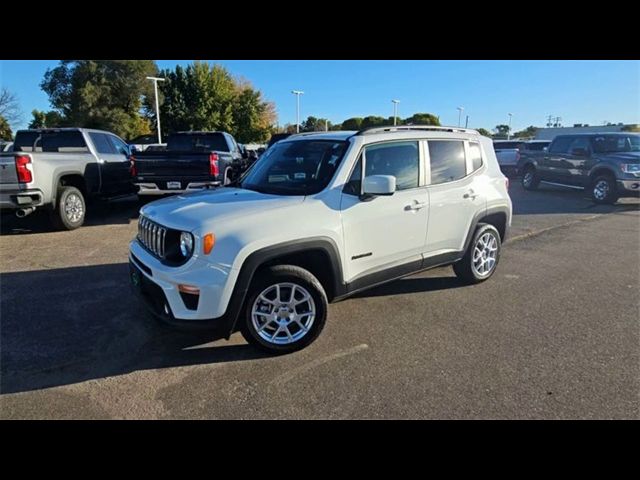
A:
[629,188]
[160,282]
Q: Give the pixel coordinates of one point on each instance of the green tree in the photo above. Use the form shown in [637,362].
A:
[105,94]
[252,117]
[527,132]
[50,119]
[313,124]
[354,123]
[422,119]
[484,132]
[375,121]
[5,129]
[198,97]
[502,130]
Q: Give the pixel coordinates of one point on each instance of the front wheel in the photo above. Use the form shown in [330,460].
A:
[286,309]
[603,190]
[482,255]
[70,209]
[530,179]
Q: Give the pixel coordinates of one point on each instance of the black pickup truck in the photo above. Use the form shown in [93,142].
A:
[191,161]
[607,165]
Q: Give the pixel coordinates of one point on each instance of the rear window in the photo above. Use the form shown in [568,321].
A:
[64,142]
[506,145]
[536,147]
[198,143]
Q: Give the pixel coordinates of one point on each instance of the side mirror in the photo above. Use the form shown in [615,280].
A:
[376,185]
[580,152]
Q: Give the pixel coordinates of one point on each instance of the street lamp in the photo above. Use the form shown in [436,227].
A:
[460,110]
[297,93]
[509,131]
[395,110]
[155,86]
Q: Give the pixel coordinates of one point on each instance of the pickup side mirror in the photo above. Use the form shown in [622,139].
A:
[580,152]
[376,185]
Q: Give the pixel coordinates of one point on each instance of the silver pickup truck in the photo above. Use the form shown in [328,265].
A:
[59,169]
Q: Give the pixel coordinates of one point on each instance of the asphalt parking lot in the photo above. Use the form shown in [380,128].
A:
[554,334]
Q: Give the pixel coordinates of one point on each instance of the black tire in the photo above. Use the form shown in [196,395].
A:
[530,182]
[59,217]
[603,190]
[268,278]
[464,269]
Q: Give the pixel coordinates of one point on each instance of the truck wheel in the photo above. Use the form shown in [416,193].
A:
[603,190]
[69,210]
[481,258]
[286,309]
[530,179]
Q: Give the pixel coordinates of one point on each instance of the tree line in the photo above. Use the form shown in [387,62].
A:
[115,95]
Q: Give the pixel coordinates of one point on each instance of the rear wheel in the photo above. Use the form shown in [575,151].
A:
[603,190]
[482,255]
[286,309]
[70,209]
[530,179]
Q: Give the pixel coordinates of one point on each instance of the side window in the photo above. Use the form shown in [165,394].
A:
[476,155]
[400,159]
[353,186]
[561,145]
[118,145]
[448,162]
[580,142]
[101,143]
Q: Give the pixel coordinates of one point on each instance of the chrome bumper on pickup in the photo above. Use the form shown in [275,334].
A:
[153,189]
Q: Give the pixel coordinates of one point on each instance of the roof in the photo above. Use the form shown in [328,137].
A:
[338,135]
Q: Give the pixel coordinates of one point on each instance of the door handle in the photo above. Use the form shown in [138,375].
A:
[415,206]
[470,195]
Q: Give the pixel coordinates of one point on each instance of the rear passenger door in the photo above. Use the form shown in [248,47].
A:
[454,172]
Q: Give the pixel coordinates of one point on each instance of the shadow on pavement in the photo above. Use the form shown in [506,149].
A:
[65,326]
[99,212]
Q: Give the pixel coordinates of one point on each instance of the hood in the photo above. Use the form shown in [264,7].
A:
[189,211]
[622,157]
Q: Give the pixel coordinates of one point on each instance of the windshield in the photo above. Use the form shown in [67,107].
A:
[302,167]
[616,143]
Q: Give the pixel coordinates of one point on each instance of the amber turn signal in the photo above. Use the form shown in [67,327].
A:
[208,241]
[189,289]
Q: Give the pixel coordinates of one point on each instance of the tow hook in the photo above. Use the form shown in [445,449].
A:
[23,212]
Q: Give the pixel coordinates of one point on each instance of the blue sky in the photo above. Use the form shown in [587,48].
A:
[578,91]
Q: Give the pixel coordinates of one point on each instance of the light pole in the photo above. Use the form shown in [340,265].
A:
[155,87]
[297,93]
[395,111]
[509,131]
[460,110]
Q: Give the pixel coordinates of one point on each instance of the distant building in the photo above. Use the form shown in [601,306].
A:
[553,132]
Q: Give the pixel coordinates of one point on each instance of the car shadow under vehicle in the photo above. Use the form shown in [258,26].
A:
[64,326]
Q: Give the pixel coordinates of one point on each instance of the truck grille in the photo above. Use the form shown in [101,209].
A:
[152,236]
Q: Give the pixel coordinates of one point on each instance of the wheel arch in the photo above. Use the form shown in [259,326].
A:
[496,216]
[74,179]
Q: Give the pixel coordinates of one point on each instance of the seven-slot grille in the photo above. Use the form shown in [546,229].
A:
[152,236]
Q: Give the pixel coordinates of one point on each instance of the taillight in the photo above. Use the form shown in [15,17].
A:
[213,165]
[132,167]
[24,173]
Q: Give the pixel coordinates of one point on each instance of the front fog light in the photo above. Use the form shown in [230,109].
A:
[186,244]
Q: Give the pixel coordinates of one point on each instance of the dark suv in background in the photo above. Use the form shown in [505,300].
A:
[606,165]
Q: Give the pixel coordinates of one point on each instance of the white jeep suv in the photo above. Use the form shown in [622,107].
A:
[317,218]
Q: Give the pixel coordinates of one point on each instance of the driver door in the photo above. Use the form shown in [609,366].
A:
[385,235]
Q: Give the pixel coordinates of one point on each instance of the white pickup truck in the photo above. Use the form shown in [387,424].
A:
[320,217]
[58,169]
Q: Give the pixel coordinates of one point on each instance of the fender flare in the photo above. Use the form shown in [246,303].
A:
[477,219]
[259,257]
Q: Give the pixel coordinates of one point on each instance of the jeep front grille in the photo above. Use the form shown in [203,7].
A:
[152,236]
